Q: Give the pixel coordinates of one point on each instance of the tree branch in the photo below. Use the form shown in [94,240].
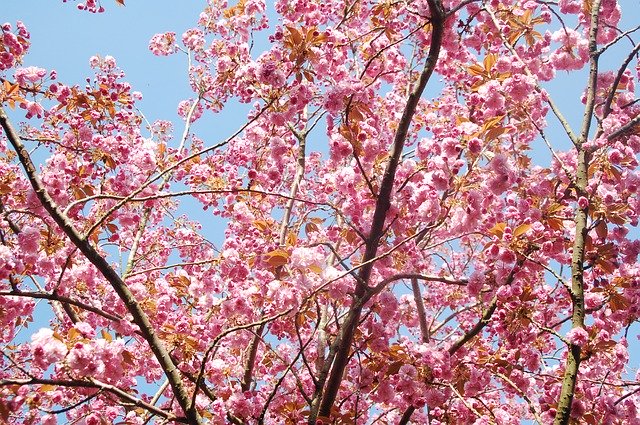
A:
[342,343]
[140,318]
[94,383]
[61,299]
[563,409]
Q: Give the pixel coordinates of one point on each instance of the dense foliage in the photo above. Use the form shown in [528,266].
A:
[454,255]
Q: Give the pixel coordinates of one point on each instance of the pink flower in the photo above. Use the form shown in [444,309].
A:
[33,109]
[29,240]
[384,393]
[407,372]
[7,261]
[47,348]
[503,174]
[492,96]
[570,6]
[31,74]
[83,362]
[583,203]
[163,44]
[241,406]
[573,53]
[6,60]
[110,62]
[303,258]
[49,420]
[269,73]
[578,336]
[519,87]
[185,106]
[85,329]
[388,306]
[193,39]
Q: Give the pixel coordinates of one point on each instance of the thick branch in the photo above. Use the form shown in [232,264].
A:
[484,321]
[563,410]
[140,318]
[345,337]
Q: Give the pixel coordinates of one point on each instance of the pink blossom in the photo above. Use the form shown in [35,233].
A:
[269,73]
[573,53]
[303,258]
[519,87]
[109,62]
[241,406]
[29,239]
[193,39]
[163,44]
[570,6]
[49,419]
[578,336]
[7,60]
[82,362]
[583,203]
[407,372]
[31,74]
[503,174]
[384,393]
[85,329]
[7,261]
[33,109]
[388,306]
[493,98]
[578,408]
[184,107]
[47,348]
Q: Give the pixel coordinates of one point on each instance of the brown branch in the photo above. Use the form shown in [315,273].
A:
[94,383]
[614,86]
[62,299]
[247,376]
[627,127]
[422,316]
[477,328]
[572,366]
[140,318]
[325,397]
[165,195]
[406,416]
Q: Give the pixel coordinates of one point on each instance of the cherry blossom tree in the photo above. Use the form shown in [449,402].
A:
[453,251]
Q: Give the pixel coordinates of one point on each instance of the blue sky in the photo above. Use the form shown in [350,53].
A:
[64,38]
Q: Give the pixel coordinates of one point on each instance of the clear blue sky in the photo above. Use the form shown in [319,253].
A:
[64,38]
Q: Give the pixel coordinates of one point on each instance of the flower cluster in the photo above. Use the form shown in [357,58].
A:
[13,45]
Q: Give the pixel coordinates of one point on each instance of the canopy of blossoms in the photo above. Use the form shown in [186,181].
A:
[441,255]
